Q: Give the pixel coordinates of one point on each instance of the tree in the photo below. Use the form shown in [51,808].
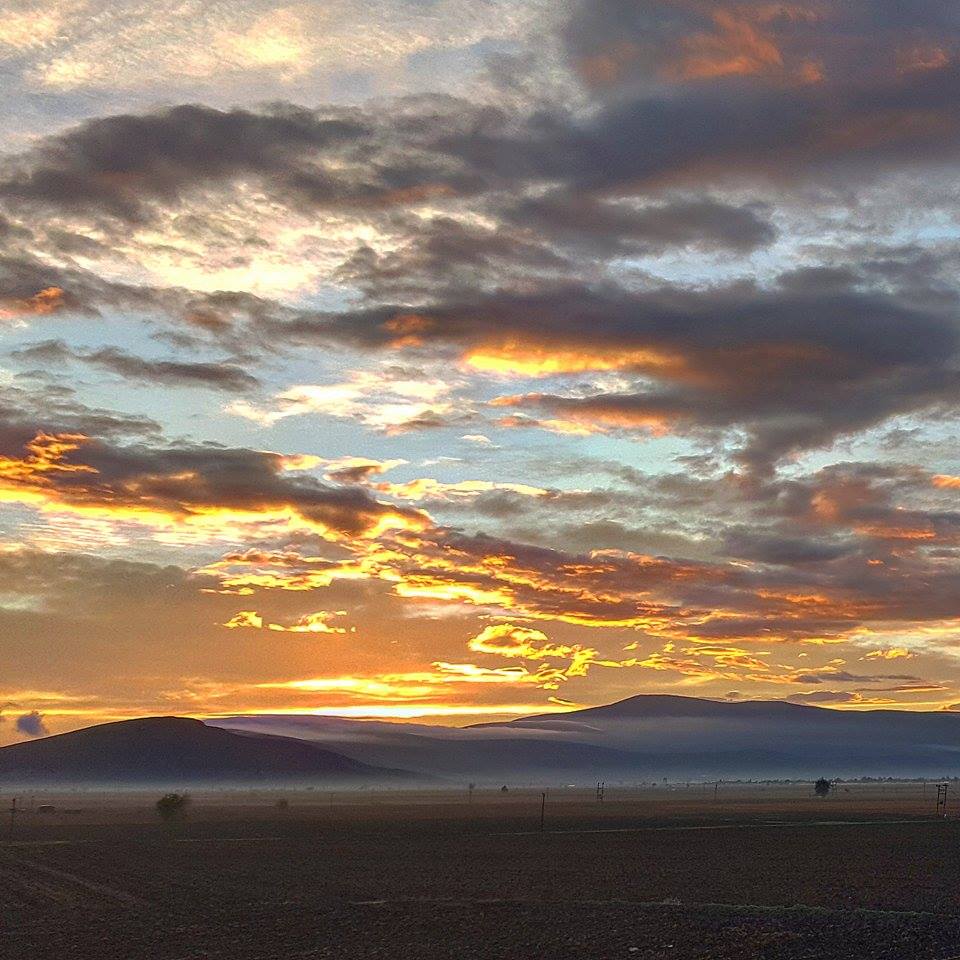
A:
[822,787]
[173,806]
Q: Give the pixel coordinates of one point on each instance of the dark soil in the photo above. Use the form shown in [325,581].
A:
[483,883]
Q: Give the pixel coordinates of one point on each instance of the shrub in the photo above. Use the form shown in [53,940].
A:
[822,787]
[173,806]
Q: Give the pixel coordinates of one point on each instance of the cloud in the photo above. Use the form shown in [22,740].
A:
[889,653]
[616,44]
[316,622]
[502,198]
[54,408]
[119,166]
[389,399]
[794,369]
[828,697]
[254,50]
[522,643]
[426,488]
[213,490]
[216,376]
[357,469]
[724,226]
[584,221]
[31,725]
[43,302]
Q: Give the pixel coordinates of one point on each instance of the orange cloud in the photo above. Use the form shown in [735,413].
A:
[946,482]
[46,301]
[516,358]
[737,48]
[428,489]
[179,492]
[408,329]
[551,424]
[608,66]
[922,57]
[522,643]
[421,685]
[309,623]
[587,419]
[45,455]
[889,653]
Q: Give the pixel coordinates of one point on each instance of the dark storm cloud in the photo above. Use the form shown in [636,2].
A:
[217,376]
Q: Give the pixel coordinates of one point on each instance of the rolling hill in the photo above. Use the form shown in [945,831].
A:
[449,752]
[178,751]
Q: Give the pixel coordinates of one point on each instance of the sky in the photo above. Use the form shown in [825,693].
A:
[452,360]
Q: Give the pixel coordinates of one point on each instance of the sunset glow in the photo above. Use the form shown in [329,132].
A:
[465,361]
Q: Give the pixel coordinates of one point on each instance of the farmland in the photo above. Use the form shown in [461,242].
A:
[685,872]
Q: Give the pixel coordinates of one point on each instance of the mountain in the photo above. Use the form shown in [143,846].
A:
[683,735]
[178,751]
[647,738]
[640,738]
[449,752]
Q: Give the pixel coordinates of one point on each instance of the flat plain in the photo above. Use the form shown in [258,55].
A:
[677,871]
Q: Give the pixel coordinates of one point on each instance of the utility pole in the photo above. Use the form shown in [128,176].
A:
[942,800]
[543,807]
[13,815]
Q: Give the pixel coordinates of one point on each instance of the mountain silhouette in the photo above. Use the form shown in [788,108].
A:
[640,738]
[466,753]
[650,737]
[178,750]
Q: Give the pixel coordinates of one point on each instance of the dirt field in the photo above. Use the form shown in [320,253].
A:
[755,872]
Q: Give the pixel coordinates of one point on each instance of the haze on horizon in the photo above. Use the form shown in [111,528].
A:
[456,360]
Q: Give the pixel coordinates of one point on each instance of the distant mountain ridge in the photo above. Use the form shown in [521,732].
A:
[641,738]
[178,751]
[650,737]
[672,705]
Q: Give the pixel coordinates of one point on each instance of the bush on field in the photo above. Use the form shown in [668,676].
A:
[173,806]
[822,787]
